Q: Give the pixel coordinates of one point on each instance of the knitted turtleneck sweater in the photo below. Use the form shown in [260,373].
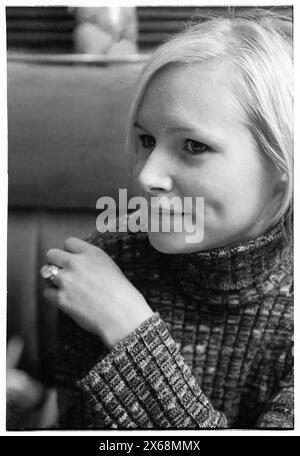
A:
[217,352]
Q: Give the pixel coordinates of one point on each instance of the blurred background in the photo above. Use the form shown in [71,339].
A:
[71,76]
[55,29]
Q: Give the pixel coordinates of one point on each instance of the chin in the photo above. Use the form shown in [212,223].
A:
[174,243]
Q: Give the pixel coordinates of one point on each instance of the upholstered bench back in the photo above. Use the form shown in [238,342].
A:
[66,132]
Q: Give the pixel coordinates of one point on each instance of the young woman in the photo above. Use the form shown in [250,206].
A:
[160,333]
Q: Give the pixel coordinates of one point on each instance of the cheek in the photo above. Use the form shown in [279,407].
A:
[137,168]
[242,189]
[138,161]
[230,184]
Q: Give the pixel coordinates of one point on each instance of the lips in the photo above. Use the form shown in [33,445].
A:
[161,210]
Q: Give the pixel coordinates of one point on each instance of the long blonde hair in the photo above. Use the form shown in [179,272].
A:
[260,47]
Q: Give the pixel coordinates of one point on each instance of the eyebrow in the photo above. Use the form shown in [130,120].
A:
[136,124]
[185,128]
[171,129]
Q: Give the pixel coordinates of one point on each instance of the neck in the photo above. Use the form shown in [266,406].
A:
[235,267]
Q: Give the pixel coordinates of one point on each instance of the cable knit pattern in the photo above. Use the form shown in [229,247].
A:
[217,352]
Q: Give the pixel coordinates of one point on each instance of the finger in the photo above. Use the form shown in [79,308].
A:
[58,257]
[57,280]
[52,278]
[76,245]
[14,351]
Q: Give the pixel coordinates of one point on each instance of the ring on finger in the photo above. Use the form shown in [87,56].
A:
[49,271]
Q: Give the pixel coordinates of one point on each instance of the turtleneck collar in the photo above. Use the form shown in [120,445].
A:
[232,268]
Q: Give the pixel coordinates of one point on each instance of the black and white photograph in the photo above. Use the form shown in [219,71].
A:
[150,218]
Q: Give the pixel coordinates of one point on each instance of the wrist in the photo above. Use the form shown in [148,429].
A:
[125,325]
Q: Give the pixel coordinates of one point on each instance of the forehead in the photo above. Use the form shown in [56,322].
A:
[201,92]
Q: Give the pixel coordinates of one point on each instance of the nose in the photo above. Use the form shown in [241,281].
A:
[155,176]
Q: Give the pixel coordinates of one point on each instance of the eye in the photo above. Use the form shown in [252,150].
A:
[195,147]
[147,141]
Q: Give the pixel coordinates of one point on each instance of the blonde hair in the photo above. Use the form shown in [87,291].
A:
[259,46]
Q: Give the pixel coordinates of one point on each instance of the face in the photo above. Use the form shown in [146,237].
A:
[192,142]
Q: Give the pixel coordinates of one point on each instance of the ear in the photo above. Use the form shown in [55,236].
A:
[284,177]
[281,184]
[279,190]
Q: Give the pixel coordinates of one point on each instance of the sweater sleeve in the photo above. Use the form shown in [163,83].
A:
[279,411]
[144,383]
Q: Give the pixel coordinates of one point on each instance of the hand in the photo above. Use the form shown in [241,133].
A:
[22,390]
[94,292]
[29,403]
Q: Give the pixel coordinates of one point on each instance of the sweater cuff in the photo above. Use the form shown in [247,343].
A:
[144,383]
